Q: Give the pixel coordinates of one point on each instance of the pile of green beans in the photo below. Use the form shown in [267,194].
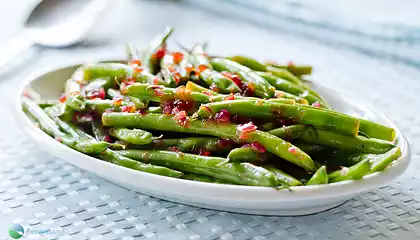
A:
[223,120]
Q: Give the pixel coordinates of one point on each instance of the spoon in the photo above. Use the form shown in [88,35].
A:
[54,24]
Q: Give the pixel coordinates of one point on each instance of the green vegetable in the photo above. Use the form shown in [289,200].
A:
[335,140]
[272,143]
[284,178]
[239,173]
[319,177]
[354,172]
[338,122]
[251,80]
[134,136]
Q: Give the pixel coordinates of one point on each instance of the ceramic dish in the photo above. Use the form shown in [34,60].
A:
[243,199]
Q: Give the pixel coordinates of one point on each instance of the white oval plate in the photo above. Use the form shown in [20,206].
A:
[243,199]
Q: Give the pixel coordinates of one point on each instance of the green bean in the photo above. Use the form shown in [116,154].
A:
[289,87]
[371,129]
[46,103]
[252,80]
[134,136]
[329,120]
[284,74]
[98,131]
[98,105]
[380,162]
[197,88]
[116,158]
[319,177]
[272,143]
[283,94]
[246,154]
[204,178]
[335,140]
[285,179]
[239,173]
[249,62]
[74,100]
[87,146]
[297,70]
[354,172]
[151,57]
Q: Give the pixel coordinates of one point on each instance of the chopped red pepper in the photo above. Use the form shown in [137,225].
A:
[202,67]
[156,80]
[160,53]
[230,97]
[178,57]
[316,104]
[58,139]
[189,68]
[138,70]
[214,88]
[63,98]
[181,117]
[292,150]
[117,101]
[222,116]
[177,77]
[136,62]
[108,139]
[257,146]
[173,149]
[244,129]
[204,152]
[96,93]
[130,108]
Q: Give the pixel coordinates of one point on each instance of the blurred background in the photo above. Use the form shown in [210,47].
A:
[366,50]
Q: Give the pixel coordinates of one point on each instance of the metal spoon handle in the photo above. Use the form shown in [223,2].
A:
[12,49]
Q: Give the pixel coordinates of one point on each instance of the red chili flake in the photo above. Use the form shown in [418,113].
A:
[292,150]
[222,143]
[244,129]
[160,53]
[174,111]
[109,110]
[202,67]
[58,139]
[189,68]
[141,111]
[63,98]
[130,108]
[290,64]
[177,77]
[136,62]
[181,117]
[235,79]
[138,70]
[230,97]
[208,92]
[257,146]
[178,57]
[156,80]
[203,152]
[158,92]
[222,116]
[316,104]
[283,122]
[173,149]
[167,107]
[108,139]
[117,101]
[214,88]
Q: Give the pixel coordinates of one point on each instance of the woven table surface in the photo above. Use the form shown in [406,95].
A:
[40,191]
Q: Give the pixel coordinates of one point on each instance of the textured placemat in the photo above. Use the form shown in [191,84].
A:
[42,192]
